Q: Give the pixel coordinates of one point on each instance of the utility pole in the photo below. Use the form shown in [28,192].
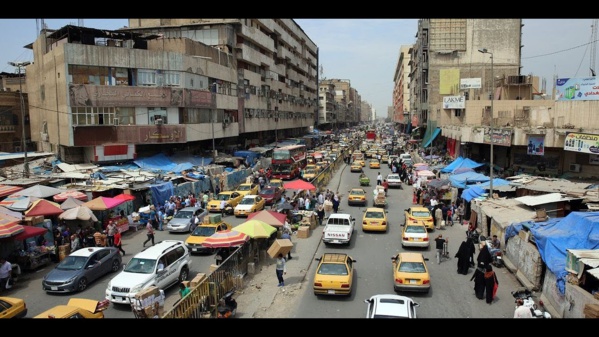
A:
[20,65]
[485,51]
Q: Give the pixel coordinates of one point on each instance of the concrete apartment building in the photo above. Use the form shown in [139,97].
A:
[446,56]
[401,89]
[113,95]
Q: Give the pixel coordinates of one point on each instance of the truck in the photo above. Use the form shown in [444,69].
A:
[338,229]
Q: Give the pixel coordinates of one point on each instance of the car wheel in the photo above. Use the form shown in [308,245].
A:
[184,275]
[82,284]
[116,265]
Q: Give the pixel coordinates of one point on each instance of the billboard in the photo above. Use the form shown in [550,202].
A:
[535,145]
[577,89]
[470,83]
[454,102]
[582,142]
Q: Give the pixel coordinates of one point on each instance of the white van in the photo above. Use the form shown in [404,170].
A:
[162,265]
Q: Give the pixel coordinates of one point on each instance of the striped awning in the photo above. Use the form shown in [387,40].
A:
[8,190]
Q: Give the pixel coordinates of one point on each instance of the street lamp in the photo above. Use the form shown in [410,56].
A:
[20,65]
[485,51]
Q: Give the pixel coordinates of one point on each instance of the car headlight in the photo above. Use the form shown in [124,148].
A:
[72,279]
[136,288]
[109,286]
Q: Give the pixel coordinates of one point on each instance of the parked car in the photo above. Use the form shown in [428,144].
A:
[80,268]
[181,222]
[163,265]
[390,306]
[12,307]
[334,274]
[77,308]
[410,272]
[271,194]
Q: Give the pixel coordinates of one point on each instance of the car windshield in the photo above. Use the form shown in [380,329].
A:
[309,171]
[247,201]
[393,177]
[374,215]
[421,214]
[415,229]
[276,183]
[140,266]
[268,191]
[357,192]
[224,196]
[332,269]
[203,231]
[72,263]
[183,215]
[244,188]
[412,267]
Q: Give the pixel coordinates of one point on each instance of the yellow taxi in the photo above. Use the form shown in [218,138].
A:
[247,188]
[375,219]
[231,198]
[277,183]
[356,167]
[77,308]
[410,273]
[334,274]
[12,307]
[309,173]
[357,196]
[385,159]
[201,232]
[249,204]
[374,164]
[420,214]
[415,234]
[322,165]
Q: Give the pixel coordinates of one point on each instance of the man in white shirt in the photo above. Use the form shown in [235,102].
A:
[434,201]
[522,311]
[223,205]
[5,272]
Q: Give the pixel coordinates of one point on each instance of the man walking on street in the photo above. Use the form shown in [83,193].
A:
[149,232]
[439,242]
[281,269]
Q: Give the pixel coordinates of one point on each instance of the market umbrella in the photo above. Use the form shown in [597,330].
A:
[421,168]
[420,164]
[8,190]
[9,226]
[285,206]
[124,196]
[429,157]
[14,214]
[40,191]
[425,173]
[299,185]
[226,238]
[462,170]
[60,197]
[255,229]
[43,207]
[18,203]
[78,213]
[71,203]
[440,184]
[29,232]
[103,203]
[272,218]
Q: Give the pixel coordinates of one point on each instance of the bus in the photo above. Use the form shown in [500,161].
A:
[371,135]
[288,161]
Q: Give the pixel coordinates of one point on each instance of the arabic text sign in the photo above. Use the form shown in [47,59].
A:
[582,142]
[470,83]
[454,102]
[577,89]
[162,134]
[501,137]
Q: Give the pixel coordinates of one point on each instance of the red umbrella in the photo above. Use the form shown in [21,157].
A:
[272,218]
[227,238]
[9,226]
[60,197]
[124,196]
[8,190]
[102,203]
[43,207]
[29,232]
[299,185]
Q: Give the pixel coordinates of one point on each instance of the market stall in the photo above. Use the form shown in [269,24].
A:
[28,252]
[105,206]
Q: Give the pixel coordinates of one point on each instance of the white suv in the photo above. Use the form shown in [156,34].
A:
[162,265]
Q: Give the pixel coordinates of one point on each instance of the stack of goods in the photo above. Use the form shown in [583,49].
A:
[149,303]
[63,251]
[280,246]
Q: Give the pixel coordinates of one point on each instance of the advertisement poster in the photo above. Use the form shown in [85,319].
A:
[582,142]
[577,89]
[536,145]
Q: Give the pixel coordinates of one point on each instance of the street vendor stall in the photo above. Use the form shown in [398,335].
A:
[105,206]
[28,252]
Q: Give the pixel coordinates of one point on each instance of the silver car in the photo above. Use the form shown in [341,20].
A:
[181,222]
[80,268]
[394,180]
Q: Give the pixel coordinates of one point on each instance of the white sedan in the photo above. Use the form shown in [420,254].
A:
[390,306]
[394,180]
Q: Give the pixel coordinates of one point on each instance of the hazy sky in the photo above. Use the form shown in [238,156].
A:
[366,51]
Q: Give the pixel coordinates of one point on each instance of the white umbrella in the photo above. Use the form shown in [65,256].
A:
[78,213]
[40,191]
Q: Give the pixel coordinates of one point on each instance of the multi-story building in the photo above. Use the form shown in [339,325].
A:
[327,106]
[466,86]
[401,89]
[12,89]
[112,95]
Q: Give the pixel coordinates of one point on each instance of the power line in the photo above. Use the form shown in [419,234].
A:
[559,51]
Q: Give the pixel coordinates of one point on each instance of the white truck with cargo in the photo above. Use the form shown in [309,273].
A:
[338,229]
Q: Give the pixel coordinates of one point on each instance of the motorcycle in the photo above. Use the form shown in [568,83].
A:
[474,236]
[526,296]
[227,306]
[497,259]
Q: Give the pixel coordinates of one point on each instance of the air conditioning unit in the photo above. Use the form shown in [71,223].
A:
[158,121]
[575,168]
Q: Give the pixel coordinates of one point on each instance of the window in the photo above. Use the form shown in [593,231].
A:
[157,114]
[172,78]
[146,77]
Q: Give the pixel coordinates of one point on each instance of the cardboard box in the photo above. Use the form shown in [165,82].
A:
[213,267]
[280,246]
[28,221]
[197,279]
[303,232]
[37,219]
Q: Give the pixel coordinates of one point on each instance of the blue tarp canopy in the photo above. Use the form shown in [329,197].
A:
[462,179]
[430,140]
[467,163]
[472,193]
[496,182]
[451,166]
[160,162]
[578,230]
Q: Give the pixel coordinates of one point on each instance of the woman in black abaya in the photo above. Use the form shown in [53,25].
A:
[463,255]
[479,281]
